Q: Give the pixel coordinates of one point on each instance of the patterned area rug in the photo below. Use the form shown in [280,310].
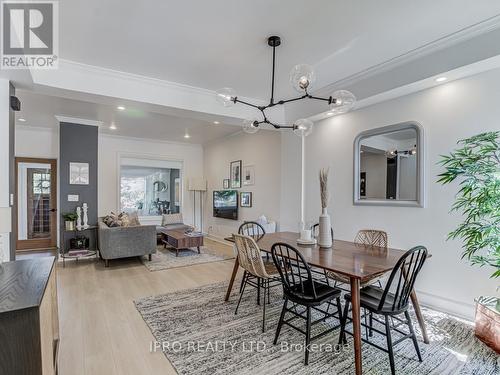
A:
[165,258]
[199,334]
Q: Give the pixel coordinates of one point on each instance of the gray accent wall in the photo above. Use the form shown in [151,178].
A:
[78,143]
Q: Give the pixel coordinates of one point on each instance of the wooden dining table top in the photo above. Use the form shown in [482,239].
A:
[353,260]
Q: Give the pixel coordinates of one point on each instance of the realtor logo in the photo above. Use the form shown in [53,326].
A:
[29,34]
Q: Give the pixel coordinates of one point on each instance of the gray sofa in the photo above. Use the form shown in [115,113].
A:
[123,242]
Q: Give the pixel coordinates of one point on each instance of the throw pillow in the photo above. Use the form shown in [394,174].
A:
[172,219]
[134,219]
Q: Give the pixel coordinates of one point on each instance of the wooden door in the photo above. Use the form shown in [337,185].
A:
[36,203]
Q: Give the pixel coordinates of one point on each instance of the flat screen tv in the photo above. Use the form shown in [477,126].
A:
[226,204]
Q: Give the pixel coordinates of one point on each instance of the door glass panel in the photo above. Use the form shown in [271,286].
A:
[34,204]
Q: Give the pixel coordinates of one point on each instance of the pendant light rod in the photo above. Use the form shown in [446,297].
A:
[271,102]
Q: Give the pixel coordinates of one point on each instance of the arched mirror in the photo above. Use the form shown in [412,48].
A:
[388,166]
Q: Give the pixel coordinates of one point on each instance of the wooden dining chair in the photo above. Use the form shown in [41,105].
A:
[365,237]
[257,273]
[256,231]
[391,301]
[301,289]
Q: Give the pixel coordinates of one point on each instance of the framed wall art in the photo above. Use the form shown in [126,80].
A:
[235,173]
[246,199]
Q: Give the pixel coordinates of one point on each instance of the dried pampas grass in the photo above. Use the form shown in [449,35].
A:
[323,186]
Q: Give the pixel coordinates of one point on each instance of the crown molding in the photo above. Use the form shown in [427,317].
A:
[97,82]
[36,128]
[149,140]
[444,42]
[79,121]
[424,84]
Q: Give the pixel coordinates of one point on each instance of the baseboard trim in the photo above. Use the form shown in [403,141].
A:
[219,239]
[449,306]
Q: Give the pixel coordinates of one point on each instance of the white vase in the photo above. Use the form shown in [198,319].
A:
[325,230]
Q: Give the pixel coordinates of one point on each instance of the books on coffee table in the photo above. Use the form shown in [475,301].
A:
[194,234]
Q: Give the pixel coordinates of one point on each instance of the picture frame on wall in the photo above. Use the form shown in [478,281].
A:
[248,175]
[78,173]
[225,183]
[245,199]
[235,173]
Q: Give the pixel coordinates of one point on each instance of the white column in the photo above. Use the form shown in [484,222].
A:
[4,162]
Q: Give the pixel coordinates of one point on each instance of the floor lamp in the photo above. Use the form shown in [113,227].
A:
[197,185]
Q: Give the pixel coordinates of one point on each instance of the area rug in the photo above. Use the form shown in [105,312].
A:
[200,334]
[165,258]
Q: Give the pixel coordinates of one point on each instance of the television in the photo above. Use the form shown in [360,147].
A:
[226,204]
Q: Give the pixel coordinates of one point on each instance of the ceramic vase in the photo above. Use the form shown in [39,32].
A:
[78,218]
[325,230]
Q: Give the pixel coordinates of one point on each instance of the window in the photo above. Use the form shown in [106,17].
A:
[150,187]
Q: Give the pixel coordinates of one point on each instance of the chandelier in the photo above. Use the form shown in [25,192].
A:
[302,78]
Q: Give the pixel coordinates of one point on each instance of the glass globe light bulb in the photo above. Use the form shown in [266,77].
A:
[303,127]
[391,153]
[342,101]
[302,77]
[225,96]
[250,126]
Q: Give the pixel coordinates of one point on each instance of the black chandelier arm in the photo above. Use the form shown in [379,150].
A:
[236,100]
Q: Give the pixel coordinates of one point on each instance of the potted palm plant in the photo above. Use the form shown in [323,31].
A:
[476,164]
[69,220]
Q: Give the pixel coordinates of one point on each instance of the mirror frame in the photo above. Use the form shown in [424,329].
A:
[420,201]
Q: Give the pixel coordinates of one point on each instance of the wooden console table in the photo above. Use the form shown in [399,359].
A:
[29,322]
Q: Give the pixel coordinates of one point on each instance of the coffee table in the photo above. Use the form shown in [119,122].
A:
[178,239]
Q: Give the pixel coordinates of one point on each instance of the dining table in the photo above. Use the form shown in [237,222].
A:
[358,262]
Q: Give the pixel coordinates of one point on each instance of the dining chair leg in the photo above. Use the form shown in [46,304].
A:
[258,290]
[266,286]
[371,324]
[241,294]
[308,334]
[413,336]
[280,323]
[268,292]
[326,277]
[366,323]
[339,310]
[243,280]
[343,322]
[389,344]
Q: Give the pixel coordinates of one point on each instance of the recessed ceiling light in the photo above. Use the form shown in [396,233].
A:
[329,113]
[187,136]
[112,127]
[120,108]
[22,120]
[216,122]
[441,79]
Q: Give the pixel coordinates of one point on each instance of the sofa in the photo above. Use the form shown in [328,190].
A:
[124,242]
[171,222]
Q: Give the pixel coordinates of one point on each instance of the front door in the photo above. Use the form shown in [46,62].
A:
[36,191]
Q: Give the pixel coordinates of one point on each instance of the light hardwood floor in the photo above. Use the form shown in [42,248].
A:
[101,331]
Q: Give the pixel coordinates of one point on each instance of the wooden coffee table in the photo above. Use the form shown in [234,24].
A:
[180,240]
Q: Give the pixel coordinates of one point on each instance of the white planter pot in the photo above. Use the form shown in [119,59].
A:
[325,230]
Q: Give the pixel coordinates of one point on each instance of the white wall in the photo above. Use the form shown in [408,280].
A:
[448,112]
[375,167]
[263,150]
[37,142]
[111,148]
